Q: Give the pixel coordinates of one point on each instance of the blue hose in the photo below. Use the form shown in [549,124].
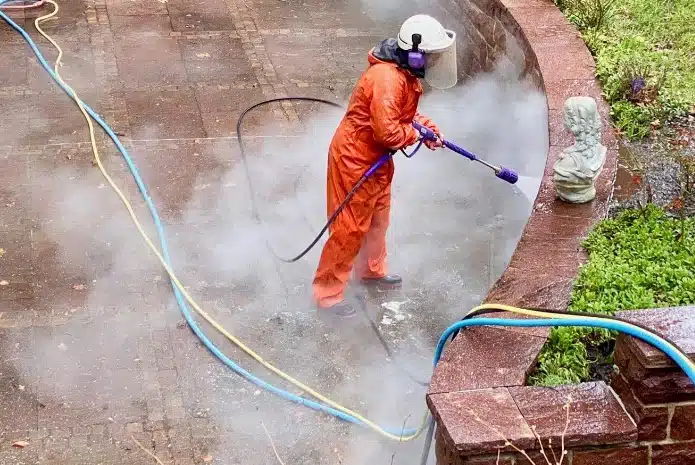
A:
[614,325]
[606,324]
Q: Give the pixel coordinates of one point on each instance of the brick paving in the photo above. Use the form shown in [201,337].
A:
[92,346]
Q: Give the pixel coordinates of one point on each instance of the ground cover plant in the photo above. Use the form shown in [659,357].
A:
[642,258]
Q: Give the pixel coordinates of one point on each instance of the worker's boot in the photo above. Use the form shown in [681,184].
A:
[341,310]
[390,281]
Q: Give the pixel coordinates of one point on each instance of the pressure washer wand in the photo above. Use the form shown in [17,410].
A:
[501,172]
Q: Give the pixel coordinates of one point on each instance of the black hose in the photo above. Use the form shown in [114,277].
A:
[254,210]
[386,347]
[340,208]
[332,218]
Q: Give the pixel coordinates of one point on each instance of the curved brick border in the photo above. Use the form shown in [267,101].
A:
[539,275]
[549,254]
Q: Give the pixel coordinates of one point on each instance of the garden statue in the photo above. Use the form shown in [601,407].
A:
[580,164]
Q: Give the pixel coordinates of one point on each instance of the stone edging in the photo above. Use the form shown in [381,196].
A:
[549,252]
[547,257]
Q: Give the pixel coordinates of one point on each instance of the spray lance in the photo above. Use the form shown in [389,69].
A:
[426,134]
[500,171]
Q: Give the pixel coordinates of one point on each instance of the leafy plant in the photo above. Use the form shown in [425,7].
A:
[645,57]
[589,14]
[640,259]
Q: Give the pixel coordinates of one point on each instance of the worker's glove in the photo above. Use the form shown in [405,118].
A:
[434,144]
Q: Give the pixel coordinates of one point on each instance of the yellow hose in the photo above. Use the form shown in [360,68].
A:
[208,318]
[173,277]
[562,316]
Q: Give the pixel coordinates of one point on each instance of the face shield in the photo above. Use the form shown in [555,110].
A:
[441,71]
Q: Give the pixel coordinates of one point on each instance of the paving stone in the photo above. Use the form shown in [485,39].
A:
[14,73]
[128,8]
[164,115]
[143,26]
[155,61]
[124,366]
[217,60]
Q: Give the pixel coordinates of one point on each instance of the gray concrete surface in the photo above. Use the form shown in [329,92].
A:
[92,345]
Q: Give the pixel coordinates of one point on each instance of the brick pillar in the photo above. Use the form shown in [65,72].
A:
[655,391]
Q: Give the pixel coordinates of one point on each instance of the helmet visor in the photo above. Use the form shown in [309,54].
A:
[442,71]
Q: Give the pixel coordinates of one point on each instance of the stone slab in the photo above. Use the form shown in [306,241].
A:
[676,324]
[478,422]
[595,415]
[485,357]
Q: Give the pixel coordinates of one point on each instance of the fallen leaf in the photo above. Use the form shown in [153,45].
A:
[207,459]
[20,444]
[78,287]
[4,283]
[21,388]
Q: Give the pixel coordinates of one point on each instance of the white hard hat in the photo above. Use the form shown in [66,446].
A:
[434,37]
[439,46]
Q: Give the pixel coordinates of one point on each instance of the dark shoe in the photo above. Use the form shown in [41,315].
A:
[341,310]
[388,281]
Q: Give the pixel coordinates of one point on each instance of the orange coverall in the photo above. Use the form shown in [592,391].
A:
[378,120]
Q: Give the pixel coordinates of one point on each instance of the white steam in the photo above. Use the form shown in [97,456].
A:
[454,226]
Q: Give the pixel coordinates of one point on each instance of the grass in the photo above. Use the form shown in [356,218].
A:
[645,57]
[641,259]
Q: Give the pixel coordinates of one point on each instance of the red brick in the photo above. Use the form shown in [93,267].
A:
[464,366]
[652,422]
[537,458]
[674,454]
[448,455]
[637,456]
[683,423]
[488,460]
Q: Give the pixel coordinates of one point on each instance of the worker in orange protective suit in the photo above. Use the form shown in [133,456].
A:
[378,120]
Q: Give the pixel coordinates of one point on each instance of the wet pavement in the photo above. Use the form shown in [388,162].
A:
[93,349]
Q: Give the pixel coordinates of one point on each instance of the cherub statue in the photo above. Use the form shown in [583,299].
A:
[580,164]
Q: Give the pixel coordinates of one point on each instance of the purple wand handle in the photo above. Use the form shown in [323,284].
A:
[501,172]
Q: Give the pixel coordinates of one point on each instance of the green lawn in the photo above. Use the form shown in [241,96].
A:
[640,259]
[645,57]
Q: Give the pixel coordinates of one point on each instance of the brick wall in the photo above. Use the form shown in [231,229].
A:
[645,417]
[488,36]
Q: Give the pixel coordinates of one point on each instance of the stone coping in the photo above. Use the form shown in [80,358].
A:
[539,275]
[481,421]
[549,253]
[673,323]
